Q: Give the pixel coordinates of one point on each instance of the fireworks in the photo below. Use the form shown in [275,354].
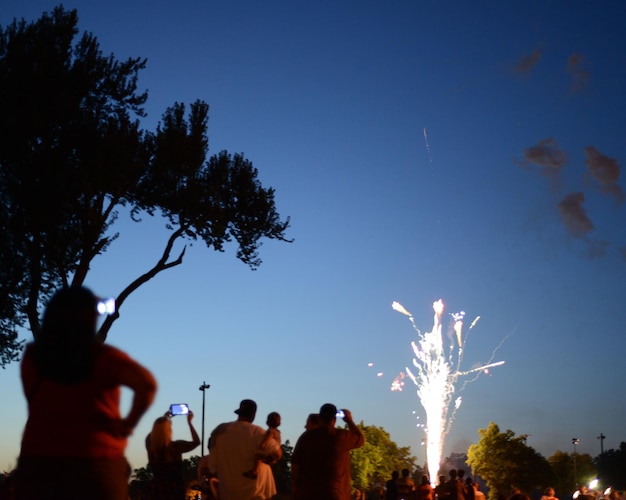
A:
[437,369]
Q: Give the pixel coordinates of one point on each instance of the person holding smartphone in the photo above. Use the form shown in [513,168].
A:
[75,437]
[165,456]
[320,463]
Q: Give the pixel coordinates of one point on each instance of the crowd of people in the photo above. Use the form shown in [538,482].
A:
[72,383]
[240,453]
[402,487]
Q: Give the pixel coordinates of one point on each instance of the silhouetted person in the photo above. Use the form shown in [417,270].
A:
[469,488]
[456,487]
[312,421]
[391,491]
[584,493]
[441,490]
[548,494]
[233,447]
[406,485]
[271,445]
[321,458]
[75,437]
[424,491]
[478,495]
[165,457]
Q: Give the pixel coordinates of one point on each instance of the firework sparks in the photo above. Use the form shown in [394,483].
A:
[398,383]
[396,306]
[435,375]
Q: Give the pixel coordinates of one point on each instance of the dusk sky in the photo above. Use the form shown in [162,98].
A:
[464,151]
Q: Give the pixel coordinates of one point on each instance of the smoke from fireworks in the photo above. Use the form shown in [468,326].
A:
[437,369]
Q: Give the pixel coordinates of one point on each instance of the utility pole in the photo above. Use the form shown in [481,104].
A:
[601,437]
[575,441]
[203,387]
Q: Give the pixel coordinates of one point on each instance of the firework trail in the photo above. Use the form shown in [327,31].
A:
[436,373]
[427,145]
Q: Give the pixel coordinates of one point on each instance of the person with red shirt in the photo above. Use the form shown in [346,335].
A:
[424,490]
[75,436]
[320,462]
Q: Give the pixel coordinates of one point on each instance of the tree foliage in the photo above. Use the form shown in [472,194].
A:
[504,460]
[375,461]
[282,469]
[563,466]
[73,153]
[611,466]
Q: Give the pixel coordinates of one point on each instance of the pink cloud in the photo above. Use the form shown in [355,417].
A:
[574,216]
[546,154]
[606,171]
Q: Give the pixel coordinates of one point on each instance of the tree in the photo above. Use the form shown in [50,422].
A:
[140,482]
[73,154]
[453,461]
[374,462]
[504,460]
[282,469]
[562,464]
[611,466]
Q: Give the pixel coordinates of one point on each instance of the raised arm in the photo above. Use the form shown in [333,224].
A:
[353,428]
[185,446]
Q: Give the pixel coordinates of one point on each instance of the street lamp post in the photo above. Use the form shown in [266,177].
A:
[203,387]
[575,441]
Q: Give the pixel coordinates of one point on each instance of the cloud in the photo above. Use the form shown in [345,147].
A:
[579,74]
[546,154]
[606,171]
[574,216]
[528,62]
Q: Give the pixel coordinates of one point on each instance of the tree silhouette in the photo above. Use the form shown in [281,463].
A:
[72,154]
[611,466]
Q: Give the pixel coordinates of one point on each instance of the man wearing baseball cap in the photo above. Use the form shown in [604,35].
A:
[320,463]
[233,446]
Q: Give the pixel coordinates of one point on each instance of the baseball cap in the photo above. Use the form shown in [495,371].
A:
[247,408]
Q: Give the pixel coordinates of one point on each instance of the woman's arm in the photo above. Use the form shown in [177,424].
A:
[143,384]
[185,446]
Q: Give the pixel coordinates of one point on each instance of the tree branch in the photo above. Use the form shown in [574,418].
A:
[161,265]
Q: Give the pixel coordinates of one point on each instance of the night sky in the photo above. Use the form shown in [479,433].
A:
[423,150]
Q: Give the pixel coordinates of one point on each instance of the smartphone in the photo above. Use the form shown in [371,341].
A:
[340,414]
[106,306]
[179,409]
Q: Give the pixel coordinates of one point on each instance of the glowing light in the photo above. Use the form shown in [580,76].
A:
[379,374]
[398,307]
[398,383]
[438,307]
[370,364]
[106,306]
[437,369]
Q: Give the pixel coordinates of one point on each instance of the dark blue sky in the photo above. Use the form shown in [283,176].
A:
[423,150]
